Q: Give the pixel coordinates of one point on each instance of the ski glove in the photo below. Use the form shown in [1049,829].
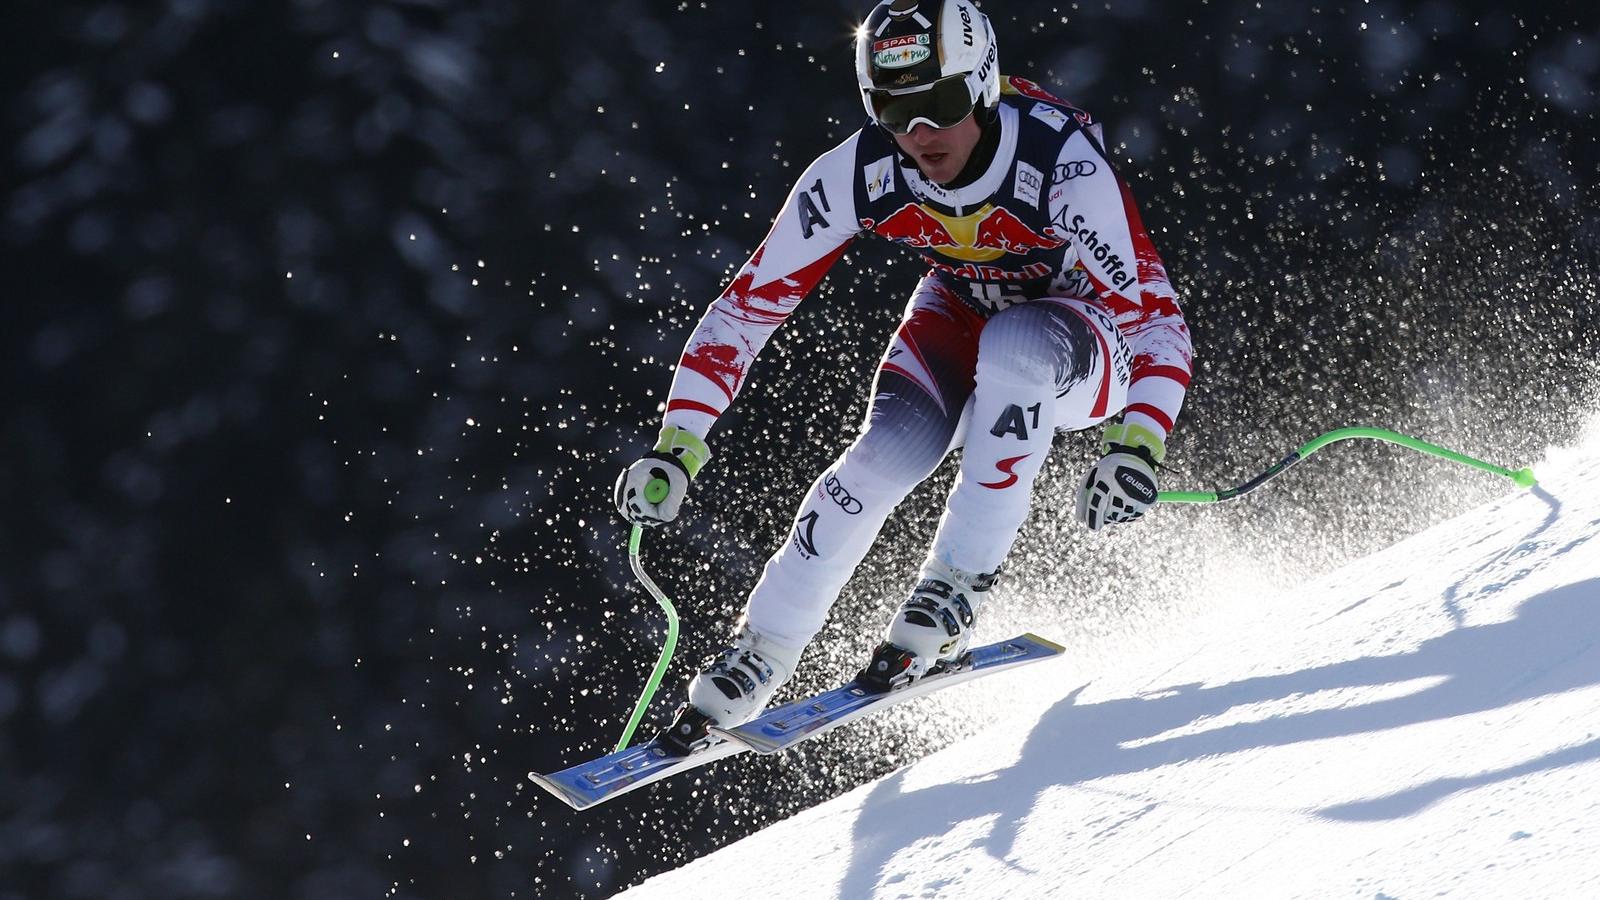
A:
[651,491]
[1122,485]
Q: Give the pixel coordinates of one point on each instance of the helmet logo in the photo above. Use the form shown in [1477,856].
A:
[901,52]
[966,25]
[988,63]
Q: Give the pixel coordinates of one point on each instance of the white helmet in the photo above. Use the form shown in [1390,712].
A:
[930,61]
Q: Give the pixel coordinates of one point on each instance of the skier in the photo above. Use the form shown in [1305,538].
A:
[1045,308]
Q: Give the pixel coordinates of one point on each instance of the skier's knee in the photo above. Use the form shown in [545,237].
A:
[899,456]
[1024,343]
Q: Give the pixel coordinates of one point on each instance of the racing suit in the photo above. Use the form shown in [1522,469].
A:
[1045,307]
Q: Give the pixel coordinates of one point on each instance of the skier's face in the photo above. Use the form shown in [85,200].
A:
[941,153]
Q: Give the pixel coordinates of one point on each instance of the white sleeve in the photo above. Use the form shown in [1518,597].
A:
[1090,205]
[810,234]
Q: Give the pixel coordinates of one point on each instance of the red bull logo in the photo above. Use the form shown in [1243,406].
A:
[1028,88]
[914,226]
[1004,231]
[983,236]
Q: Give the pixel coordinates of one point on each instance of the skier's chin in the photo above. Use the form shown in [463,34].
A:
[939,168]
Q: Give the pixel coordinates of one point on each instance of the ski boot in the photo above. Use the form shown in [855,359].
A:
[931,630]
[732,688]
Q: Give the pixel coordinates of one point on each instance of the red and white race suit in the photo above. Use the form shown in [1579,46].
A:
[1045,307]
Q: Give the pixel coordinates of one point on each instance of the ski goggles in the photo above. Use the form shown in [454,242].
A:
[941,104]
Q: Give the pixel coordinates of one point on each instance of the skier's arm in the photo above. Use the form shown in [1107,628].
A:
[810,234]
[1091,205]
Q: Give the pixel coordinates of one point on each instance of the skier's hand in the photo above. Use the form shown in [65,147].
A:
[651,491]
[1122,485]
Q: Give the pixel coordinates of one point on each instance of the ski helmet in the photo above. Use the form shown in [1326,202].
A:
[931,61]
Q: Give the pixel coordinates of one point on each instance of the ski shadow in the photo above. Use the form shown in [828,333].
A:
[1416,799]
[1531,544]
[1551,646]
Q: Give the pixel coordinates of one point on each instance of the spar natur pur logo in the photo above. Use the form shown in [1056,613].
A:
[901,52]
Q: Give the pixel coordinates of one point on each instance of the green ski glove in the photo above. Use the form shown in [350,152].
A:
[652,490]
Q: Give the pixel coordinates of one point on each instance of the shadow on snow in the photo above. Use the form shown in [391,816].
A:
[1548,648]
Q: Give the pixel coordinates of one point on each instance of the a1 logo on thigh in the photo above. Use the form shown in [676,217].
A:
[1014,422]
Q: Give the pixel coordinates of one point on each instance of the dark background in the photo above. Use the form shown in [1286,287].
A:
[328,325]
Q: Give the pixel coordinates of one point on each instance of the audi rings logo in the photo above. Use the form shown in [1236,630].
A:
[1069,170]
[841,496]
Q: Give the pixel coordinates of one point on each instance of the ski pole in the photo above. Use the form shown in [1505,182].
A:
[1523,477]
[655,492]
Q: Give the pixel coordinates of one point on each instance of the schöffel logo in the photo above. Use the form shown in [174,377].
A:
[1092,246]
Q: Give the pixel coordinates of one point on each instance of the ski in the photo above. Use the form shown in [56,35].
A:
[784,726]
[598,780]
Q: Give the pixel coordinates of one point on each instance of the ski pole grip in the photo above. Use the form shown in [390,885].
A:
[656,490]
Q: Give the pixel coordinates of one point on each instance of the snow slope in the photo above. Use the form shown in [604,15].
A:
[1424,722]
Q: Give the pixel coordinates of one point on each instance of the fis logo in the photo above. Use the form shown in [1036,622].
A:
[879,178]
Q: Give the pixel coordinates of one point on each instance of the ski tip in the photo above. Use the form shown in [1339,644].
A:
[560,792]
[1054,647]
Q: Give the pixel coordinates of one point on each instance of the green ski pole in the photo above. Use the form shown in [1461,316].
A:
[1523,477]
[655,492]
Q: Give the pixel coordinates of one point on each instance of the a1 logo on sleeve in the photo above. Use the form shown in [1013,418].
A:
[811,216]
